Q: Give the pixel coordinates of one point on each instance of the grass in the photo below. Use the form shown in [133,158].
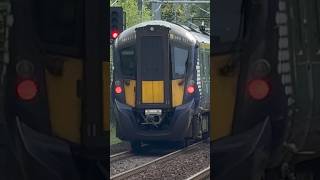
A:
[113,138]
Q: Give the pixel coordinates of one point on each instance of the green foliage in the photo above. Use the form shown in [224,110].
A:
[178,13]
[173,13]
[113,138]
[133,15]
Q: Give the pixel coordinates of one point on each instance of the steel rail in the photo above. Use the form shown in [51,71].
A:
[205,173]
[121,155]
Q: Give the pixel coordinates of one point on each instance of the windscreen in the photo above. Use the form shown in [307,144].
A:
[128,62]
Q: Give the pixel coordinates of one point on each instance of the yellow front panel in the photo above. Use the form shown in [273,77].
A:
[177,92]
[130,93]
[64,104]
[223,96]
[147,92]
[106,93]
[152,92]
[158,92]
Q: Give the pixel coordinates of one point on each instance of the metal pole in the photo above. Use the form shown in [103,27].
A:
[203,10]
[141,11]
[114,3]
[156,10]
[175,12]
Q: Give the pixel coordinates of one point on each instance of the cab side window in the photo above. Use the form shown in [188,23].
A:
[128,62]
[179,58]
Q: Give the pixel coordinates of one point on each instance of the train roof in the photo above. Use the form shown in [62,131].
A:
[174,28]
[202,38]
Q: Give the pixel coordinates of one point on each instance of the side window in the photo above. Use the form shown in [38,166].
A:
[179,57]
[128,62]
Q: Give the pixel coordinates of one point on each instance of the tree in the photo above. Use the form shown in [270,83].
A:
[173,13]
[181,13]
[133,15]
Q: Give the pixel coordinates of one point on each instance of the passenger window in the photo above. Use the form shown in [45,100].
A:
[128,63]
[179,60]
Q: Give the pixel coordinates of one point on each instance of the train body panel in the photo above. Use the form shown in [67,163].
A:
[129,90]
[64,88]
[224,89]
[177,92]
[106,95]
[177,129]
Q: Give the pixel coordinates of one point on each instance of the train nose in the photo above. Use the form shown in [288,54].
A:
[131,123]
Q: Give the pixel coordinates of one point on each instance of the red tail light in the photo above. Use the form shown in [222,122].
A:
[190,89]
[27,90]
[114,34]
[258,89]
[118,89]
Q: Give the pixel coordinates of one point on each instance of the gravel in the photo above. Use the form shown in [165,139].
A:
[129,163]
[180,167]
[148,153]
[120,147]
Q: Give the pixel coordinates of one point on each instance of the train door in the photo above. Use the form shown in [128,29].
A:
[153,80]
[304,24]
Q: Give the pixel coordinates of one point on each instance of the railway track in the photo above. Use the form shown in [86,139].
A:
[126,160]
[121,155]
[204,174]
[134,171]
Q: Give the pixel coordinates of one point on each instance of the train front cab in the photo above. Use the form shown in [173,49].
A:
[155,87]
[264,98]
[57,78]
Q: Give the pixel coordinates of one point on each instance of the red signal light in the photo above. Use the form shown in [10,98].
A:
[114,34]
[118,89]
[258,89]
[190,89]
[27,90]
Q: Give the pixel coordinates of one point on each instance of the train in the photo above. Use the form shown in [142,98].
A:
[161,83]
[55,74]
[264,95]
